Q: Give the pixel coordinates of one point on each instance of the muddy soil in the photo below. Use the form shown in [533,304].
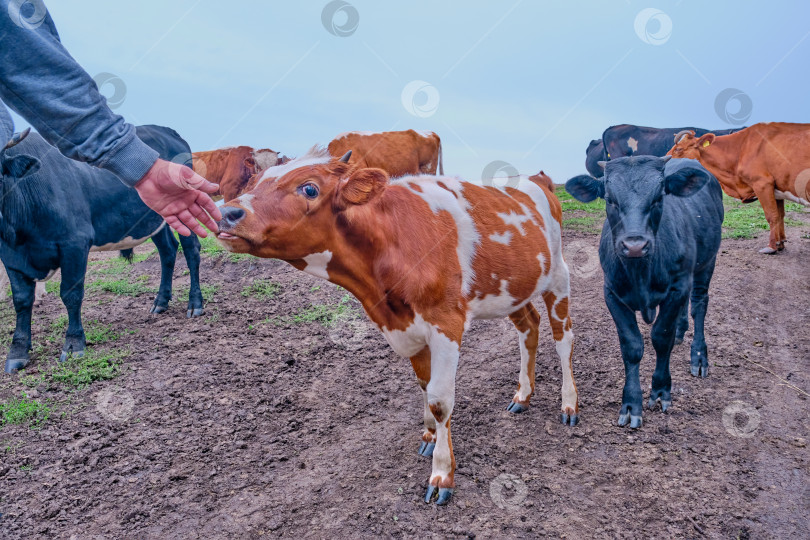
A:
[250,423]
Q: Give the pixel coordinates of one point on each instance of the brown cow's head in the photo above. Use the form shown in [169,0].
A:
[688,146]
[297,214]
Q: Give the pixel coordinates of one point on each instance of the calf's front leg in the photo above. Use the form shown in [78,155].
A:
[421,366]
[560,321]
[632,345]
[71,290]
[22,290]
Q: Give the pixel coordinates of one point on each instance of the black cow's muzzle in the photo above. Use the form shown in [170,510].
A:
[634,247]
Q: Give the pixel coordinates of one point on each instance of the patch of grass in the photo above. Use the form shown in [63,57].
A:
[96,333]
[24,410]
[261,288]
[93,366]
[583,223]
[210,246]
[123,287]
[570,204]
[118,265]
[325,314]
[52,286]
[748,220]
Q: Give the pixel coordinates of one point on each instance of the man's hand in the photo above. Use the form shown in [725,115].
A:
[179,195]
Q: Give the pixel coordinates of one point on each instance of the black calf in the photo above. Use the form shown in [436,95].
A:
[658,248]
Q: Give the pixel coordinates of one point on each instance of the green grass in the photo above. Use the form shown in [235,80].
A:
[123,287]
[93,366]
[52,286]
[208,291]
[24,410]
[326,314]
[584,224]
[210,246]
[118,265]
[748,220]
[261,288]
[98,333]
[570,204]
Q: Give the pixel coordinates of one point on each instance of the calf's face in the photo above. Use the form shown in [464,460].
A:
[634,189]
[297,214]
[688,146]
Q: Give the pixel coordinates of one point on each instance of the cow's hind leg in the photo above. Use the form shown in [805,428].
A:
[699,359]
[22,290]
[683,324]
[557,307]
[526,321]
[71,289]
[421,366]
[191,250]
[166,245]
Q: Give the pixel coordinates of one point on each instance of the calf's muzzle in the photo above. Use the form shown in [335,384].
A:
[231,216]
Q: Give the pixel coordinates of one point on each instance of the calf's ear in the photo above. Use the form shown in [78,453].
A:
[361,187]
[685,177]
[585,188]
[706,140]
[21,165]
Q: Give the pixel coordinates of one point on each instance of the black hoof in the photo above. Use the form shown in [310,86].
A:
[64,356]
[444,495]
[426,449]
[635,421]
[516,408]
[158,309]
[569,420]
[196,312]
[14,364]
[700,371]
[665,404]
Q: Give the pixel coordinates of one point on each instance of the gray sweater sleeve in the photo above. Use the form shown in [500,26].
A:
[46,86]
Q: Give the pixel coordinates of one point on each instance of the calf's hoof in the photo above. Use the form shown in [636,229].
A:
[443,497]
[665,403]
[158,308]
[516,407]
[634,421]
[65,353]
[195,312]
[426,449]
[569,418]
[767,250]
[700,371]
[14,364]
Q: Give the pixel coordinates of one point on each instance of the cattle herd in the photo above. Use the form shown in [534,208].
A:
[425,253]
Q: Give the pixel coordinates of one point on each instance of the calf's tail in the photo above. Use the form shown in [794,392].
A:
[128,254]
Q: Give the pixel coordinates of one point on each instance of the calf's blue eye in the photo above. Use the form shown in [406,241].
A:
[310,191]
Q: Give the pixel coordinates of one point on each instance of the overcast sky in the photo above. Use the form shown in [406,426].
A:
[526,82]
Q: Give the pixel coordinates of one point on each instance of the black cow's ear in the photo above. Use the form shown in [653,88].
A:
[685,177]
[585,188]
[21,165]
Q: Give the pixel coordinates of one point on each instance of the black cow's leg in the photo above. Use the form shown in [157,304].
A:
[699,361]
[632,345]
[191,250]
[71,290]
[22,290]
[683,324]
[166,245]
[663,339]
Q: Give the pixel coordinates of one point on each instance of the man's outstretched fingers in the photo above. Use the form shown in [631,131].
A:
[197,211]
[190,222]
[177,225]
[209,213]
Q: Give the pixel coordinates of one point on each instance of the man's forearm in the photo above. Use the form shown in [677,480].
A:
[46,86]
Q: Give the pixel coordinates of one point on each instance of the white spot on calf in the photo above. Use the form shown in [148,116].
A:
[315,156]
[244,201]
[494,305]
[632,144]
[516,220]
[501,238]
[317,262]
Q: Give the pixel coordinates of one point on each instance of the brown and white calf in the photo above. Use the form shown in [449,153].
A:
[425,255]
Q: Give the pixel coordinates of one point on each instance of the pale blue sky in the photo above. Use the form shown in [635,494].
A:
[526,82]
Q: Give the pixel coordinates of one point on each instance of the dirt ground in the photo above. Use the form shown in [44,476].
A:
[245,423]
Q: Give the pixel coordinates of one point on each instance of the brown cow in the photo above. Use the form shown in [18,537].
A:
[424,255]
[396,152]
[232,167]
[768,161]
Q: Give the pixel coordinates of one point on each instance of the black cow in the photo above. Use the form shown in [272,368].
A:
[56,210]
[659,246]
[626,140]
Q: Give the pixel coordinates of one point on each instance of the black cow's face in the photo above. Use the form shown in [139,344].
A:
[634,190]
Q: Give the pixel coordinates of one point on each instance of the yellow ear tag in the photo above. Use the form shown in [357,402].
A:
[706,143]
[608,155]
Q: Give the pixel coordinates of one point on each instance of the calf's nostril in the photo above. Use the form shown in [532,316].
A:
[231,215]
